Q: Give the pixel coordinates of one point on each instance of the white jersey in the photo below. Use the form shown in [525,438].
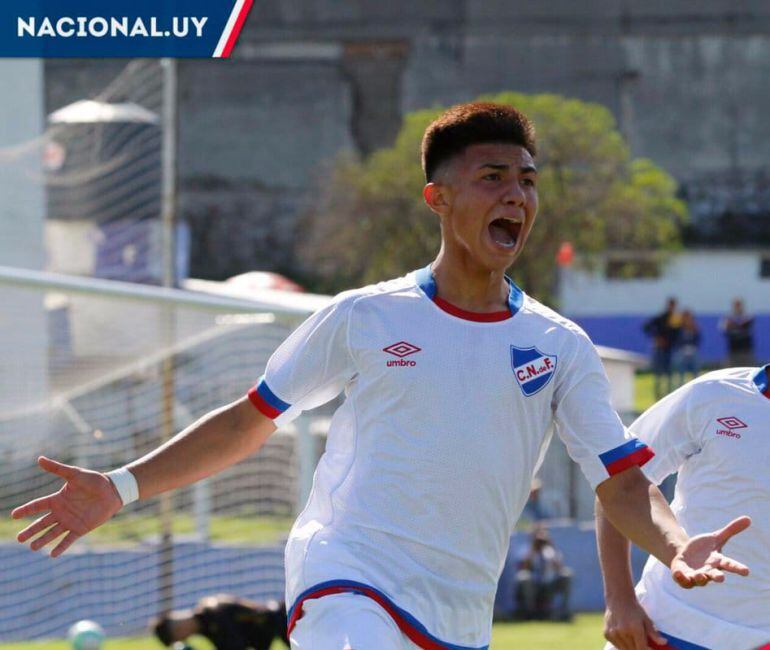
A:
[429,460]
[715,431]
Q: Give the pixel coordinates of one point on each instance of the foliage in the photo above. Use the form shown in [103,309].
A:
[370,222]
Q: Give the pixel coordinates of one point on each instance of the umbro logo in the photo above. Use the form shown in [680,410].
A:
[401,349]
[731,423]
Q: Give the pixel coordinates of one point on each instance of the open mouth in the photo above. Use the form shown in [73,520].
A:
[505,232]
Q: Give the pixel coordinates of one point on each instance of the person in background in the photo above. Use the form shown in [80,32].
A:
[686,351]
[230,623]
[543,582]
[664,330]
[738,328]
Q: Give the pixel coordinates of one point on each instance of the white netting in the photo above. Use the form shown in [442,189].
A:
[83,381]
[96,171]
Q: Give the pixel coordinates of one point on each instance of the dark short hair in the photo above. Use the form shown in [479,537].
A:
[476,123]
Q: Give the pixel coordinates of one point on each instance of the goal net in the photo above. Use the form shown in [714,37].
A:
[97,373]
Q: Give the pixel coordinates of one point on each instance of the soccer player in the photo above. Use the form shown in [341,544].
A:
[454,378]
[714,431]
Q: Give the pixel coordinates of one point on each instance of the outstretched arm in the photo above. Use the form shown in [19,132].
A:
[218,440]
[637,509]
[88,499]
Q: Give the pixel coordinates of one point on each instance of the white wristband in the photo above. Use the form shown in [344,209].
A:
[126,485]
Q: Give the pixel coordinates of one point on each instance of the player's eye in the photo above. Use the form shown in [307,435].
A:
[494,176]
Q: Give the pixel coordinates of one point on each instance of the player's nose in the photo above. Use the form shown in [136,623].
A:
[514,194]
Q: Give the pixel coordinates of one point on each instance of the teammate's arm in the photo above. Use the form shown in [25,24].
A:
[626,624]
[638,510]
[88,499]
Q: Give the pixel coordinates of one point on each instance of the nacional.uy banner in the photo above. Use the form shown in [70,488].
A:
[121,28]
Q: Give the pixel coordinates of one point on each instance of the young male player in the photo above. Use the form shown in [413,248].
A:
[454,378]
[714,431]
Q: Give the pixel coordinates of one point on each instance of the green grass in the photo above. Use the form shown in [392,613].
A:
[644,391]
[585,633]
[130,529]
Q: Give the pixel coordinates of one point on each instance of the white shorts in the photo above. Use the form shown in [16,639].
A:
[347,622]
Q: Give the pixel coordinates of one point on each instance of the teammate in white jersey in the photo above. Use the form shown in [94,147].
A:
[454,379]
[715,432]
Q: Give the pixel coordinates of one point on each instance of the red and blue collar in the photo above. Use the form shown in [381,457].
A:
[427,283]
[761,382]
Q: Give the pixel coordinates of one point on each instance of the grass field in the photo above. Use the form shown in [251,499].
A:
[583,634]
[130,529]
[644,391]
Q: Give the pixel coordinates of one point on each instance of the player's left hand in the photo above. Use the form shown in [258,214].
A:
[701,561]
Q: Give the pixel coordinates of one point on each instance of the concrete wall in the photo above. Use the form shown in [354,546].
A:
[118,588]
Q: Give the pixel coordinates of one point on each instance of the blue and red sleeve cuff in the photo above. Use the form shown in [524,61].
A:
[266,401]
[633,452]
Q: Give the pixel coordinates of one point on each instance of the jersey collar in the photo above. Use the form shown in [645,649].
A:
[427,283]
[760,380]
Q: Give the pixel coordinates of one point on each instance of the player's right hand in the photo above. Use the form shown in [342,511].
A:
[627,626]
[86,500]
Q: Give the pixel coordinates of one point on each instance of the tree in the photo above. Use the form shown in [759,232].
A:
[370,222]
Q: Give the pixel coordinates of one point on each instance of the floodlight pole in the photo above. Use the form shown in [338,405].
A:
[168,213]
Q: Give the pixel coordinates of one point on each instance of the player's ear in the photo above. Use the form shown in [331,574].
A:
[437,197]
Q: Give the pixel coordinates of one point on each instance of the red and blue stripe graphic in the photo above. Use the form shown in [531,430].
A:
[408,624]
[266,400]
[232,29]
[633,452]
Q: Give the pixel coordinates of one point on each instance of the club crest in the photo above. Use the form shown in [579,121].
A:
[533,369]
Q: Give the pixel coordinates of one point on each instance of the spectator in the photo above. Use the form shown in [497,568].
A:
[738,328]
[664,331]
[686,352]
[543,582]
